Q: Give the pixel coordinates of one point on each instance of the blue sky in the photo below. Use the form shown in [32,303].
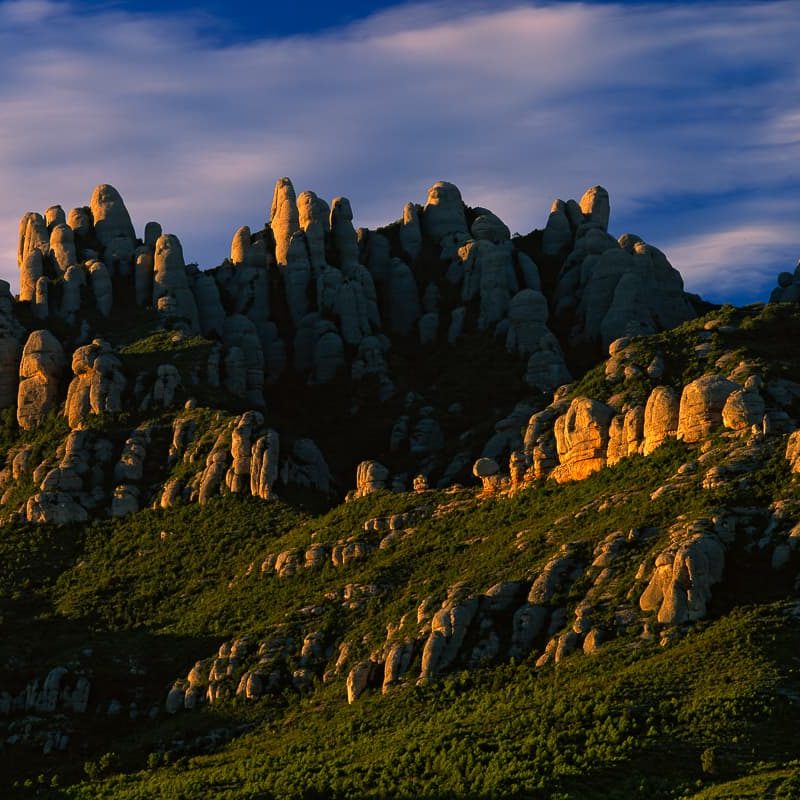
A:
[688,112]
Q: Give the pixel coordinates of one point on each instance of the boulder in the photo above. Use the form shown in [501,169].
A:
[557,235]
[33,235]
[130,467]
[166,385]
[488,275]
[398,660]
[264,457]
[172,296]
[661,414]
[100,281]
[213,478]
[41,303]
[448,630]
[71,292]
[702,402]
[30,271]
[62,247]
[625,434]
[314,218]
[743,409]
[490,227]
[284,218]
[488,471]
[371,476]
[680,585]
[244,360]
[793,451]
[410,232]
[80,220]
[125,500]
[443,216]
[527,324]
[582,436]
[358,680]
[209,306]
[143,275]
[595,205]
[152,230]
[54,216]
[113,228]
[343,234]
[97,386]
[546,369]
[40,372]
[605,291]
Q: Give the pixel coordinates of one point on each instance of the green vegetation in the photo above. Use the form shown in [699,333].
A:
[164,588]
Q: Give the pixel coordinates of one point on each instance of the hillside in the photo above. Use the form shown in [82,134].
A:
[428,511]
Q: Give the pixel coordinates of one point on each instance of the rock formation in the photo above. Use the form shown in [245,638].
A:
[40,372]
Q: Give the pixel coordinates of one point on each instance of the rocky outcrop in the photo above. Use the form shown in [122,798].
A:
[113,229]
[702,402]
[11,333]
[595,206]
[100,281]
[172,296]
[241,476]
[371,476]
[443,218]
[582,436]
[73,487]
[264,465]
[625,434]
[661,415]
[30,272]
[97,386]
[487,470]
[40,372]
[284,219]
[793,451]
[448,629]
[679,588]
[607,288]
[744,407]
[314,218]
[62,247]
[33,235]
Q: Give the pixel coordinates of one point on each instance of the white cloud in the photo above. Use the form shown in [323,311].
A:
[517,104]
[725,259]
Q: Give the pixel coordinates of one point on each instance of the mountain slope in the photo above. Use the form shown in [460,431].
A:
[531,589]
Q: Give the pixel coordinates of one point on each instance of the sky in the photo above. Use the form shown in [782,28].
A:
[687,112]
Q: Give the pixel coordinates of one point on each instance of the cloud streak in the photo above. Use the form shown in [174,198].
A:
[668,106]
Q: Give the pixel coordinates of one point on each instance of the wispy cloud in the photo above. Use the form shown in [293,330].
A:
[515,103]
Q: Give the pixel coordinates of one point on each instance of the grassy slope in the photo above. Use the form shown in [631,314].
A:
[595,727]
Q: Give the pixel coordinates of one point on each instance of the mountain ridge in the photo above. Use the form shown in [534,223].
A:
[189,608]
